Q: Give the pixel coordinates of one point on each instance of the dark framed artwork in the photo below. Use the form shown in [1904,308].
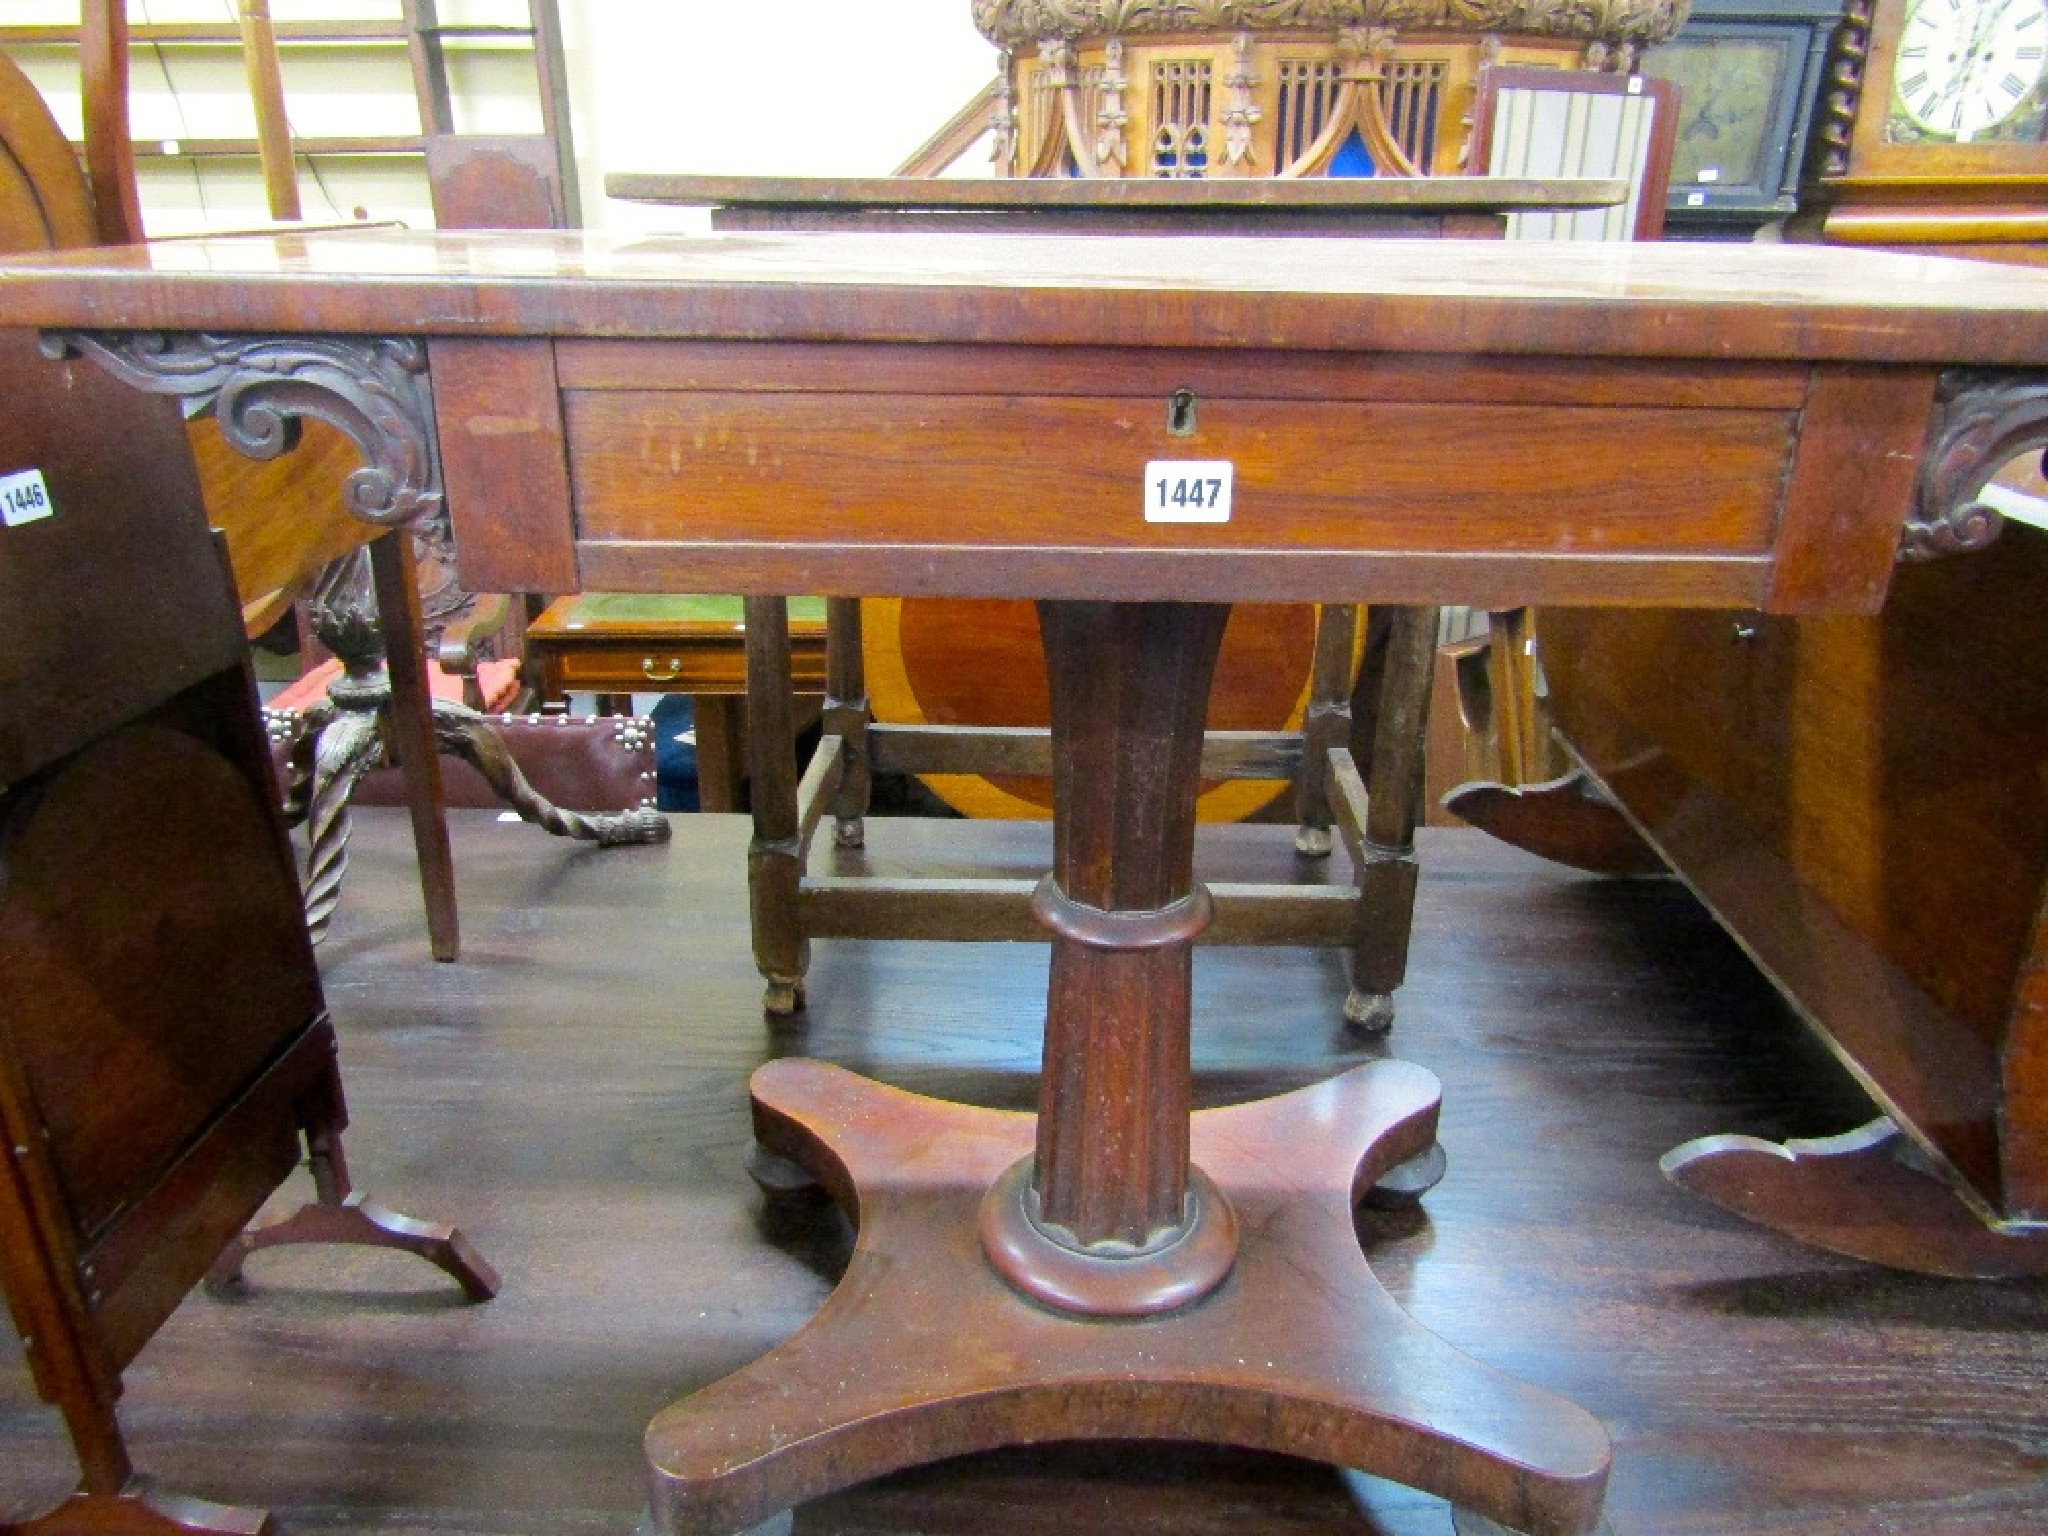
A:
[1748,72]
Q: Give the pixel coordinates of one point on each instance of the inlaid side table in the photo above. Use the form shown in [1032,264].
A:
[617,644]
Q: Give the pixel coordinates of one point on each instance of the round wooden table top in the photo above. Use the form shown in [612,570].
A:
[947,661]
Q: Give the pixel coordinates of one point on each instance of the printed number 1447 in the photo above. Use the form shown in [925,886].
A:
[1188,491]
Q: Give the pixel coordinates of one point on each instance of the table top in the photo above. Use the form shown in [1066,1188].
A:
[1682,300]
[1017,193]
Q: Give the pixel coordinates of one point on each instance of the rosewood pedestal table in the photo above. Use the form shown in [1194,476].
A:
[987,416]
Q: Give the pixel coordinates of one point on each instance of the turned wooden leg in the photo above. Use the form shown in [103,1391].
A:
[339,1214]
[720,722]
[1370,682]
[775,856]
[1327,725]
[1387,882]
[848,716]
[392,567]
[347,746]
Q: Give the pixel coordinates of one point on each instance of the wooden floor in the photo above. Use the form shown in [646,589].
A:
[573,1093]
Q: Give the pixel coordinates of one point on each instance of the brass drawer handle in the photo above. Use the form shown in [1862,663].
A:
[655,674]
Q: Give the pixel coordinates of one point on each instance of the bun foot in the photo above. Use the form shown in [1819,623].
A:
[1370,1013]
[1402,1187]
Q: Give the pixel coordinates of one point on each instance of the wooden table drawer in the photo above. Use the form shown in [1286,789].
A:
[624,643]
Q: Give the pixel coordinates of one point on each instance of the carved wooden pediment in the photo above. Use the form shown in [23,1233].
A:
[1022,23]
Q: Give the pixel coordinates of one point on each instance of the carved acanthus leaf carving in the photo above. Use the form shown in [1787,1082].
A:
[1610,58]
[1016,23]
[374,391]
[1982,420]
[342,611]
[1483,15]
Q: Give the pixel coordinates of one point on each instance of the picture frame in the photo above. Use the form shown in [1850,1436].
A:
[1748,73]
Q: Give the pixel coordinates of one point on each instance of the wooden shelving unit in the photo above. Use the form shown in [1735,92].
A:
[276,157]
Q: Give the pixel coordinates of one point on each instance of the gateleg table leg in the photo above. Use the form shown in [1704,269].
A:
[847,716]
[1379,961]
[775,856]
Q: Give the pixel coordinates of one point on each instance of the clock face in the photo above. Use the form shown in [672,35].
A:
[1969,70]
[1728,90]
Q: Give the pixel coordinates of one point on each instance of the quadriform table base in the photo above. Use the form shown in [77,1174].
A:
[1115,1267]
[924,1351]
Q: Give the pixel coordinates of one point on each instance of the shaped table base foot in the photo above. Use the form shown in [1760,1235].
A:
[141,1509]
[924,1352]
[1859,1194]
[364,1224]
[1567,820]
[1466,1523]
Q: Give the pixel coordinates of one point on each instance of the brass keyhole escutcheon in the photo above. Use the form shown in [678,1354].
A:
[1180,413]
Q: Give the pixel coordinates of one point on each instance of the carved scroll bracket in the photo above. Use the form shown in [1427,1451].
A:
[375,391]
[1982,420]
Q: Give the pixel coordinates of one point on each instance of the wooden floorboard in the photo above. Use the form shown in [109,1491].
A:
[572,1092]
